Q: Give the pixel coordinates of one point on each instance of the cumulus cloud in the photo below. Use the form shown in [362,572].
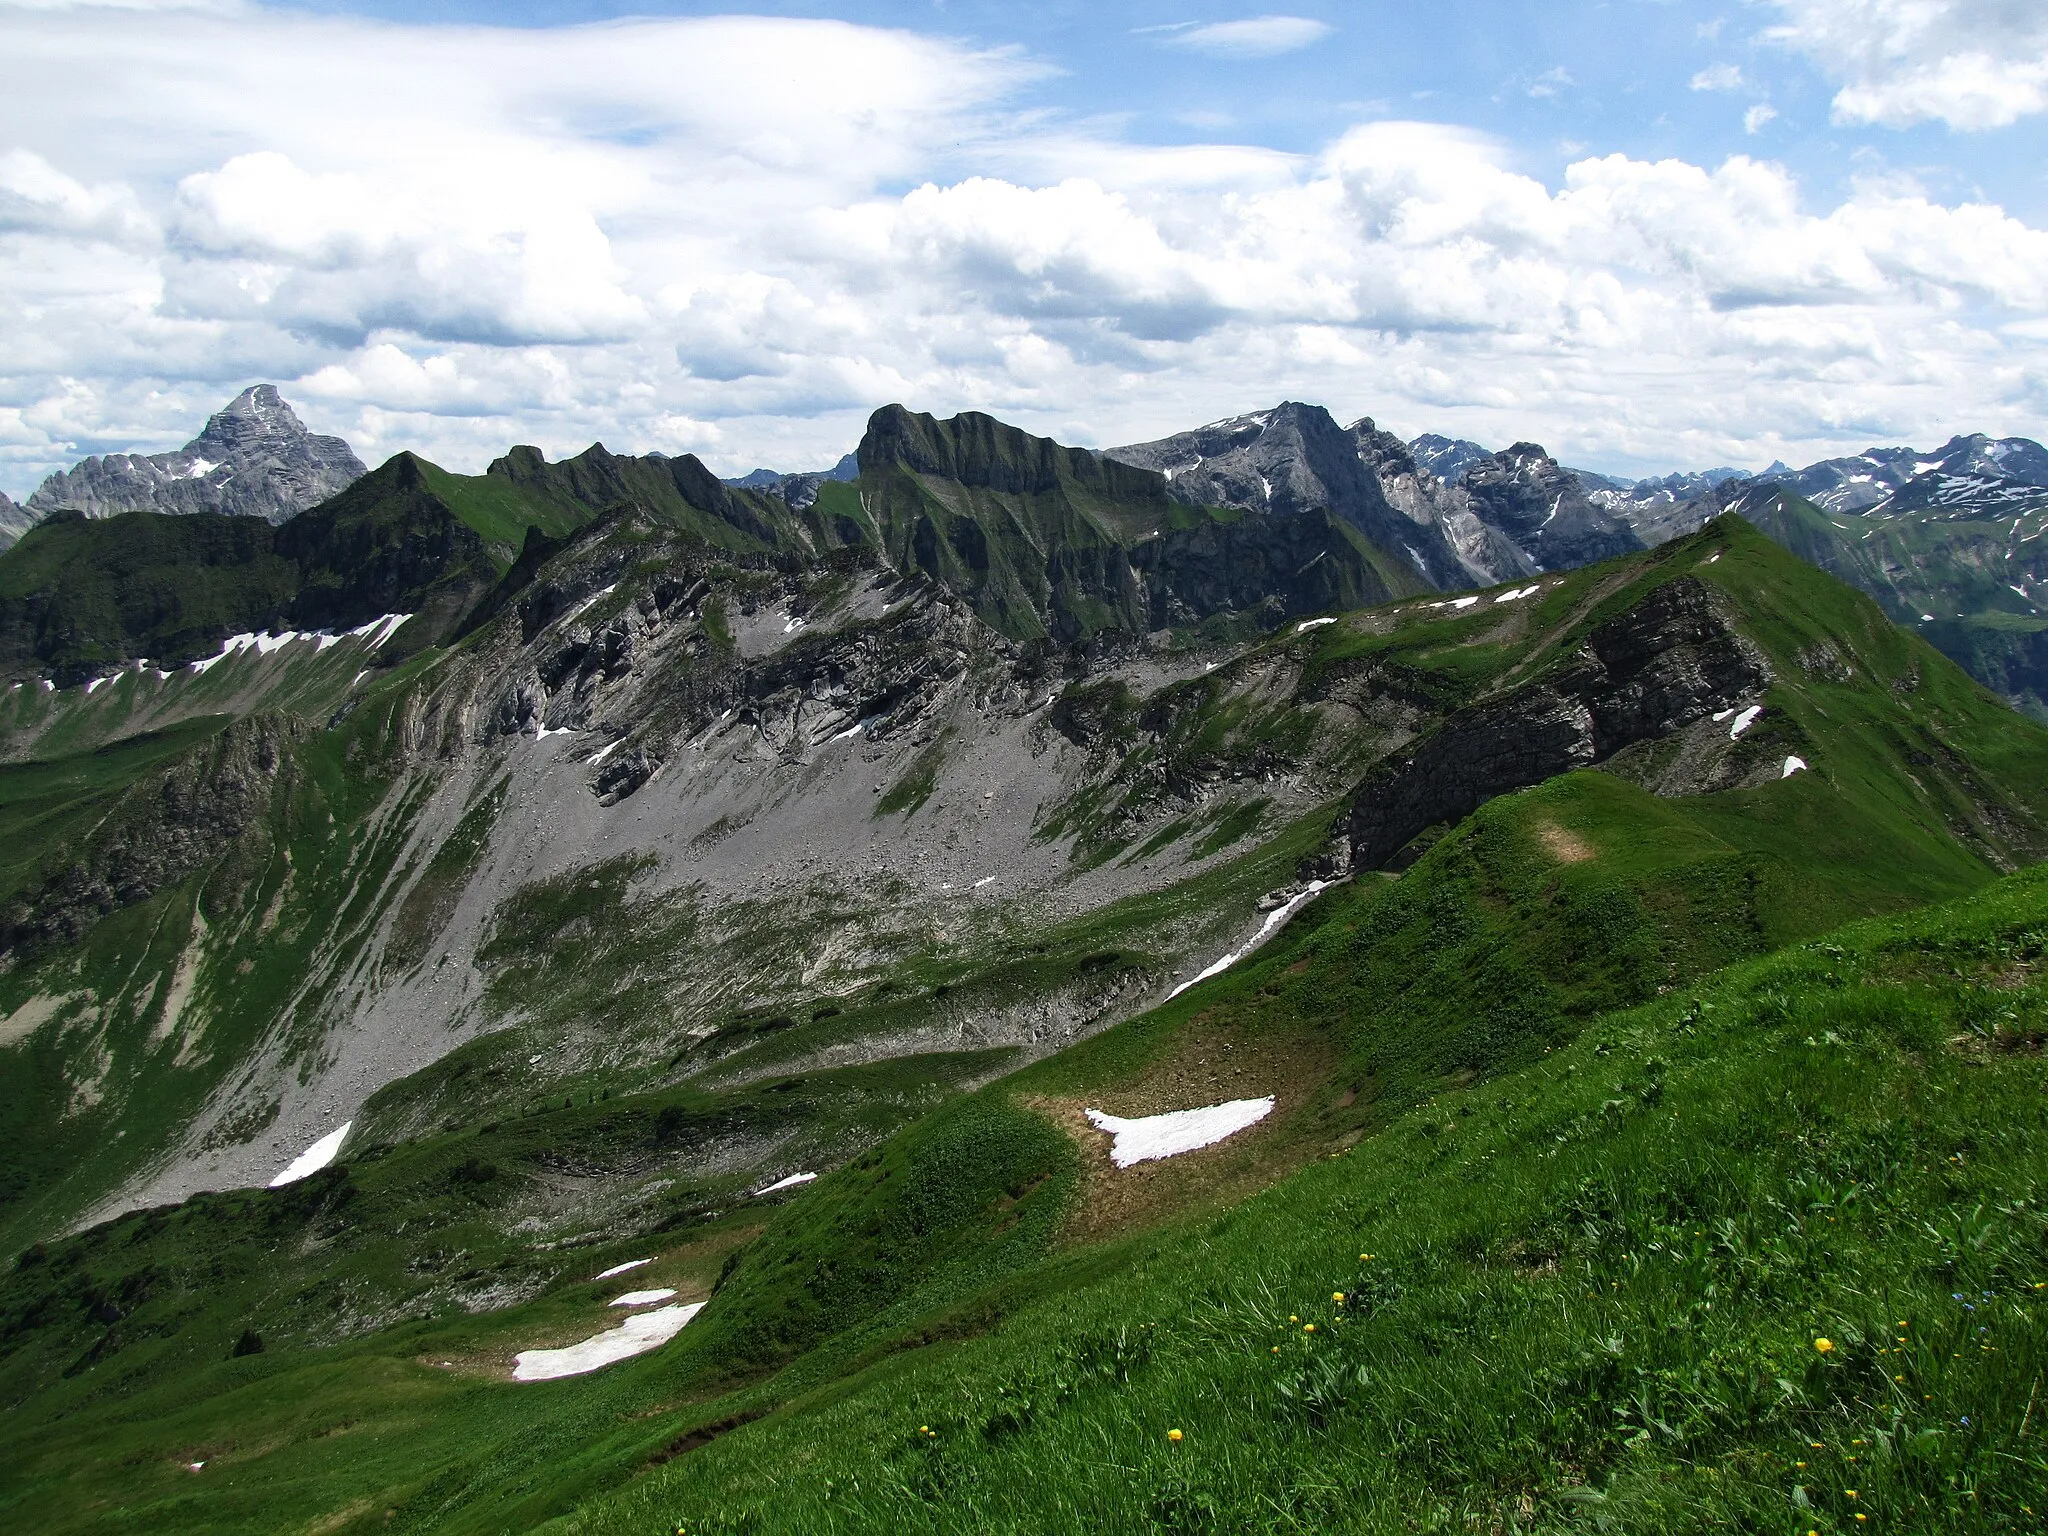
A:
[1255,37]
[1973,64]
[736,237]
[1718,77]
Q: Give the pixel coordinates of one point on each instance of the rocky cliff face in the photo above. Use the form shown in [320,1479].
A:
[1294,459]
[1670,661]
[193,815]
[1420,494]
[1538,504]
[15,520]
[1050,541]
[255,459]
[1445,457]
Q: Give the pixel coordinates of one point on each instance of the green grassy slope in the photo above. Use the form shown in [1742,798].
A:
[1604,1240]
[1588,1294]
[482,1192]
[1954,577]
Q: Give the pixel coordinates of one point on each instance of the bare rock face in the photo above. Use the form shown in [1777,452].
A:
[255,459]
[1292,460]
[1535,501]
[1420,491]
[15,520]
[1668,662]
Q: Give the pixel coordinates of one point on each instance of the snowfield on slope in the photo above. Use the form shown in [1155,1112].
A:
[314,1158]
[1182,1130]
[635,1336]
[1274,919]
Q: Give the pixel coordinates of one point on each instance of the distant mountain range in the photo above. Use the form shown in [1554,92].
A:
[1948,541]
[255,459]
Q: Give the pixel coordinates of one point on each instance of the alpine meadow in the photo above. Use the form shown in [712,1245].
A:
[1070,971]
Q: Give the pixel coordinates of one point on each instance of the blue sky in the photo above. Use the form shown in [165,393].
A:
[1556,80]
[1650,235]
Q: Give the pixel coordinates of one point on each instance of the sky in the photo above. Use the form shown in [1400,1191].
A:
[1648,234]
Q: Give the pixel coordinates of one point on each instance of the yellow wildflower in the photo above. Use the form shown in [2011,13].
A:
[1824,1345]
[1173,1435]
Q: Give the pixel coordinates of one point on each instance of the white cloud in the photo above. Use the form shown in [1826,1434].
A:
[1757,116]
[1256,37]
[736,237]
[1718,77]
[1973,64]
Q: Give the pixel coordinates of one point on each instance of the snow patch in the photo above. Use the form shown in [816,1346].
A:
[1515,595]
[381,629]
[642,1298]
[1722,714]
[601,592]
[619,1269]
[1274,919]
[635,1336]
[96,682]
[1792,765]
[1183,1130]
[1456,602]
[1308,624]
[542,733]
[314,1158]
[1744,721]
[789,1183]
[604,752]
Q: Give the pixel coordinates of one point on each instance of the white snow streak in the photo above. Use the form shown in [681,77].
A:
[789,1183]
[604,752]
[1792,765]
[635,1336]
[1308,624]
[1183,1130]
[1272,924]
[617,1269]
[1744,721]
[315,1157]
[642,1298]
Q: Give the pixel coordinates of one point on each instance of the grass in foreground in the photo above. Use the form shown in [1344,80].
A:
[1764,1255]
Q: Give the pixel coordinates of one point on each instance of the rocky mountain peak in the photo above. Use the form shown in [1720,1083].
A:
[255,458]
[1445,457]
[1543,508]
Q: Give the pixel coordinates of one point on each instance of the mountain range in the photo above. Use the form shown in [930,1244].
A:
[591,997]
